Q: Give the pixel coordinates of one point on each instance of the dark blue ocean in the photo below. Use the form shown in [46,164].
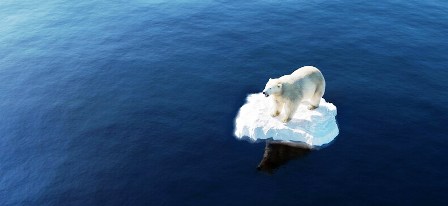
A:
[133,102]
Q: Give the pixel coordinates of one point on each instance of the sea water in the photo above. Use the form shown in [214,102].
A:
[133,102]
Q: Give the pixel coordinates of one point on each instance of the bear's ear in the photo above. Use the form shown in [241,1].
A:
[279,86]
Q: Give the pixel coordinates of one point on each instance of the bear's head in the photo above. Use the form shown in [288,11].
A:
[273,87]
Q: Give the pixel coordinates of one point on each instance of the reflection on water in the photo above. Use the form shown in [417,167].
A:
[277,154]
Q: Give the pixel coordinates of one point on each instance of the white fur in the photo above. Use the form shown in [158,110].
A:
[287,92]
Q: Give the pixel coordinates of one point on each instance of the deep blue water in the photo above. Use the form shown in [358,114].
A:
[133,102]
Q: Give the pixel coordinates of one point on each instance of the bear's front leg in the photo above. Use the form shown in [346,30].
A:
[286,119]
[277,108]
[290,110]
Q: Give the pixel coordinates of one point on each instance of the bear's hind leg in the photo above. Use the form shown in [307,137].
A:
[290,110]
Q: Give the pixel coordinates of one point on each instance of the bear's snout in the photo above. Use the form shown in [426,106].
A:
[266,94]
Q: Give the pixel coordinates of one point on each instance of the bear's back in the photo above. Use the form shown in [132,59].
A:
[305,71]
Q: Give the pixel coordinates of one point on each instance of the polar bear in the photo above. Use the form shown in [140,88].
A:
[306,83]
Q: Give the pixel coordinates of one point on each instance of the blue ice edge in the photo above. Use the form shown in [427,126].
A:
[290,143]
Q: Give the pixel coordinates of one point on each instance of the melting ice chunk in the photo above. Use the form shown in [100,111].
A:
[313,127]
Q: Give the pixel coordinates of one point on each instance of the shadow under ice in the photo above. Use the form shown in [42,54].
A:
[277,154]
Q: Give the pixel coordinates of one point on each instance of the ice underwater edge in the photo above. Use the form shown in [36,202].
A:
[315,128]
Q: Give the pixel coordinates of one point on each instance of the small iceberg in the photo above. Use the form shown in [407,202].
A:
[312,127]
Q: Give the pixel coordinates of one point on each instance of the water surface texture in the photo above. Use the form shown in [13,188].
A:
[133,102]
